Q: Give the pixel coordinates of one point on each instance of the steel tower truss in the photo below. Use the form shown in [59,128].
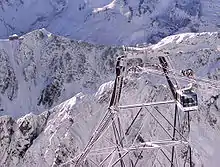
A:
[121,151]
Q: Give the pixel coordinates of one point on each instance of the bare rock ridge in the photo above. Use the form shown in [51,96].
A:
[104,21]
[57,135]
[17,136]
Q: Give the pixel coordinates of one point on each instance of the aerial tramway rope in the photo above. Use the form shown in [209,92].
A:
[173,74]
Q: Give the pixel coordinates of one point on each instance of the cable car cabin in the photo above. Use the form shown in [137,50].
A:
[187,99]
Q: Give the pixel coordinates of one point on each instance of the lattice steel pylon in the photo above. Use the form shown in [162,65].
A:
[119,154]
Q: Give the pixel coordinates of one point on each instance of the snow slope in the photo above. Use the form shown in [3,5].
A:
[57,135]
[110,21]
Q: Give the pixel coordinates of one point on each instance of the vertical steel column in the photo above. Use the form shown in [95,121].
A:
[174,134]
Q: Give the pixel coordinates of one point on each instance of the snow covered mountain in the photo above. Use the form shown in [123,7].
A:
[57,135]
[110,21]
[41,70]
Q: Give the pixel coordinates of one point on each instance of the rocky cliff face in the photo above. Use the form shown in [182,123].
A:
[109,21]
[41,70]
[57,135]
